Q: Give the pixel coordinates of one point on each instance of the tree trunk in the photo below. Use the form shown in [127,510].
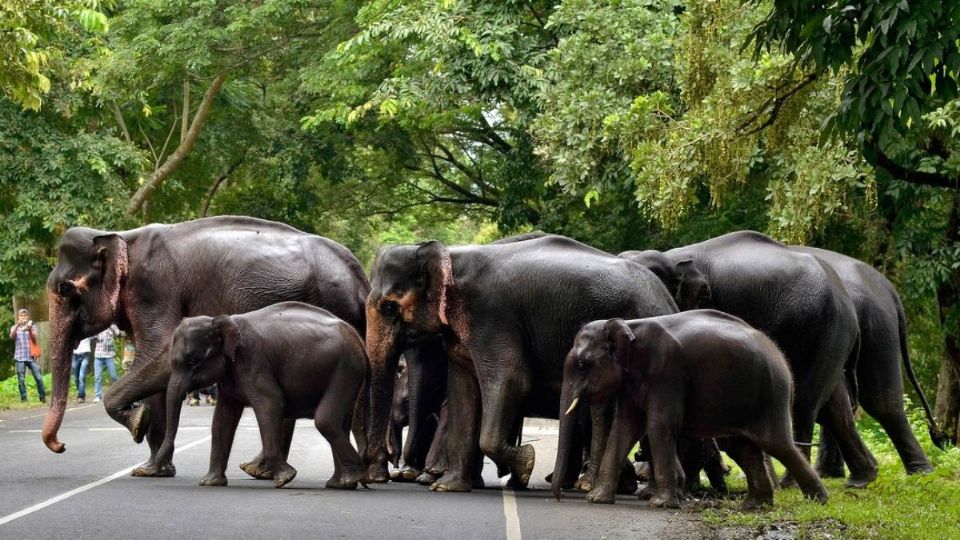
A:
[173,162]
[947,410]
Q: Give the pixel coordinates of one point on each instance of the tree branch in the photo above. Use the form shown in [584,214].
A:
[185,122]
[900,172]
[176,158]
[123,125]
[208,198]
[775,104]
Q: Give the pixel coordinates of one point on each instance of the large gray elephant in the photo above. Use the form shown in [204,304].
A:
[507,314]
[883,349]
[796,299]
[147,280]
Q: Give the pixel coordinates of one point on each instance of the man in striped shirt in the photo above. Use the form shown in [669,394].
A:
[103,357]
[22,333]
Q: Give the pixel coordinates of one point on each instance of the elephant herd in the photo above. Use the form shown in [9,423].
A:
[738,338]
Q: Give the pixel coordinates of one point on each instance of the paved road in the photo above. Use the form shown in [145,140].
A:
[88,493]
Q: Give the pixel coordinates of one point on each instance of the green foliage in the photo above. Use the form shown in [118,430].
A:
[31,38]
[895,506]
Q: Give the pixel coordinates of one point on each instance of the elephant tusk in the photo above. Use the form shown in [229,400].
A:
[573,405]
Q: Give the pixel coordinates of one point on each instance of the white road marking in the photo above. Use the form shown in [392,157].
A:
[510,515]
[64,496]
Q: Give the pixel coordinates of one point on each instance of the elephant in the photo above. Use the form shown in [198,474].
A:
[507,314]
[883,346]
[423,386]
[147,279]
[289,360]
[798,301]
[700,373]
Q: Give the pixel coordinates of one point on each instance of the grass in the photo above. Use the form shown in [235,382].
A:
[895,506]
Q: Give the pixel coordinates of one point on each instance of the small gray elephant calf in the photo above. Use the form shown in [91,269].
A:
[286,361]
[699,373]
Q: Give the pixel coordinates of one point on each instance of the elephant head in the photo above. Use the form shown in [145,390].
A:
[593,370]
[200,353]
[84,292]
[408,303]
[689,287]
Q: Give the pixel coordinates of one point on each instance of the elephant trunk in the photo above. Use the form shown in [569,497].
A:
[62,325]
[384,353]
[176,391]
[568,426]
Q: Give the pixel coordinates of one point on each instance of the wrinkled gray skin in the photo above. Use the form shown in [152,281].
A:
[146,280]
[798,301]
[699,374]
[507,314]
[286,361]
[883,349]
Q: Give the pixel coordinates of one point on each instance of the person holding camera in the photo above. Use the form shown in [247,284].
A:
[25,354]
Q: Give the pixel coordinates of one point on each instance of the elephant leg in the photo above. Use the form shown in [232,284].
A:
[334,417]
[623,434]
[663,448]
[155,433]
[269,413]
[776,441]
[881,396]
[226,417]
[501,407]
[463,420]
[759,484]
[837,416]
[714,466]
[829,458]
[255,467]
[601,418]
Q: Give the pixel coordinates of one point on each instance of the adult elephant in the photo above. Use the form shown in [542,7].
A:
[507,313]
[146,280]
[883,347]
[797,300]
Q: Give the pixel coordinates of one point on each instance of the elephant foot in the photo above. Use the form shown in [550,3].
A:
[831,472]
[155,470]
[662,500]
[213,479]
[641,469]
[861,479]
[377,474]
[788,481]
[521,466]
[477,482]
[818,494]
[451,482]
[756,503]
[586,482]
[254,468]
[647,492]
[406,474]
[345,480]
[922,467]
[426,479]
[600,495]
[626,485]
[283,474]
[139,422]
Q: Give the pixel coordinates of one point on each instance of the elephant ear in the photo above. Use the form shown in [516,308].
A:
[694,290]
[230,334]
[110,261]
[621,338]
[437,274]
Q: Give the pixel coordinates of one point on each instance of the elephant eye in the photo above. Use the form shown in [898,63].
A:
[389,309]
[66,289]
[581,366]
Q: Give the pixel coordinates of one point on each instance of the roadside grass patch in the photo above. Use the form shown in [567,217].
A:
[895,506]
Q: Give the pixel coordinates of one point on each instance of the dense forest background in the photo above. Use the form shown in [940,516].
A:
[626,124]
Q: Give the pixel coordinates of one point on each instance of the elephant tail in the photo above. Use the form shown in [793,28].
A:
[850,374]
[935,435]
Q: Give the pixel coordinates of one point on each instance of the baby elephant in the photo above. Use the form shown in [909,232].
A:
[286,361]
[697,373]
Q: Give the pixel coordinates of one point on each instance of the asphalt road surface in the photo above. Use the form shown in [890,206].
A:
[87,492]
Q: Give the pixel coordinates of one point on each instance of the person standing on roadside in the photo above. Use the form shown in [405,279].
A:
[103,357]
[81,359]
[23,333]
